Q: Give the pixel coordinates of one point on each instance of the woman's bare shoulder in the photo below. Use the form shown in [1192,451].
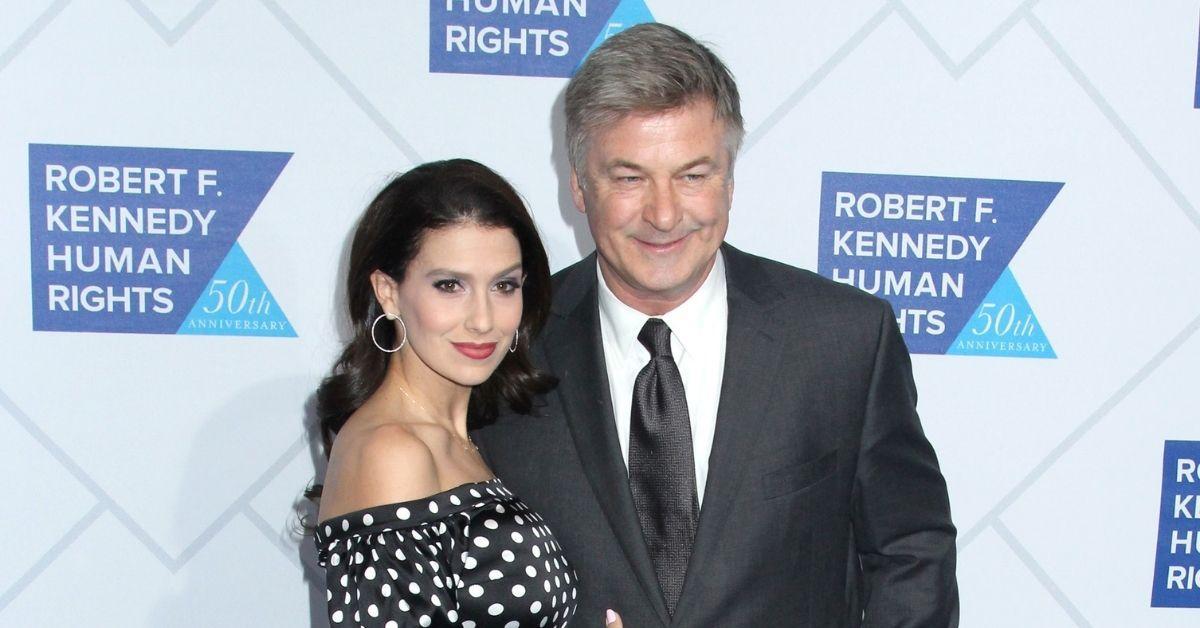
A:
[376,465]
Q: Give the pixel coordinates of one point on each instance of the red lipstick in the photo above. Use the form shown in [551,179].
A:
[475,351]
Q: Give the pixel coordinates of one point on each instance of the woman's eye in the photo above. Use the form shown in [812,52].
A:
[508,286]
[447,285]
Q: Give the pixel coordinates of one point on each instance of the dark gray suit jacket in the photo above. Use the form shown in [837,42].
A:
[824,504]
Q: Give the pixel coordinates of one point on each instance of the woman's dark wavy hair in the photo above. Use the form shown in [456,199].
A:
[388,236]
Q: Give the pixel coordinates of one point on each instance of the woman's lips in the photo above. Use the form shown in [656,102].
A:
[475,351]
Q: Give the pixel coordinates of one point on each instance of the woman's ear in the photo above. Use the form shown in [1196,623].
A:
[386,292]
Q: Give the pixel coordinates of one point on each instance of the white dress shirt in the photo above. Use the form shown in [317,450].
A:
[698,331]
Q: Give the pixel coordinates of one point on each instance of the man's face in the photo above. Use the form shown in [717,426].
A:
[656,192]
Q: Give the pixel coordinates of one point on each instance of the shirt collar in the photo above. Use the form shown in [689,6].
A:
[690,321]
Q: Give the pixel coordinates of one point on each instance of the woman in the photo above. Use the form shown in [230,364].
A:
[447,283]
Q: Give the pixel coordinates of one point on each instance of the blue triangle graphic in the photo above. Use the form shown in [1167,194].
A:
[628,13]
[1003,325]
[236,302]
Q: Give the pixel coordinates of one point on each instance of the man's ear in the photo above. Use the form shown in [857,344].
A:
[577,193]
[386,291]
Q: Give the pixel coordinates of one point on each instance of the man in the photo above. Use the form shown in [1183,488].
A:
[733,441]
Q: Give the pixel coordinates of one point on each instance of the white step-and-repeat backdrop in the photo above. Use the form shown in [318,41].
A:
[178,180]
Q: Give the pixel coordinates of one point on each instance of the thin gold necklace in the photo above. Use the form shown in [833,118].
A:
[468,445]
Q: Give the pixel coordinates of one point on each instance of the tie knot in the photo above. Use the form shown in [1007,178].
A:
[656,337]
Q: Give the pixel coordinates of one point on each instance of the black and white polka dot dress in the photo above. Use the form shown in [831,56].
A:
[472,556]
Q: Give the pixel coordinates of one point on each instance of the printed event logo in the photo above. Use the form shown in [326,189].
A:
[1177,562]
[524,37]
[144,240]
[938,249]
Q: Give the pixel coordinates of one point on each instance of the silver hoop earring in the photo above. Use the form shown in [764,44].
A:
[516,339]
[403,328]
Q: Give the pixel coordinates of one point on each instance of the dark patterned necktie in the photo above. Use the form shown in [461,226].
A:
[662,470]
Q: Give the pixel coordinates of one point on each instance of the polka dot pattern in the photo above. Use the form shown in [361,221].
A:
[474,555]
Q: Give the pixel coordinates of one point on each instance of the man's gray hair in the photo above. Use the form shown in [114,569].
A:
[648,68]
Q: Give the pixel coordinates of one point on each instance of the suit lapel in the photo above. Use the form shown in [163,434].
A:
[752,355]
[574,350]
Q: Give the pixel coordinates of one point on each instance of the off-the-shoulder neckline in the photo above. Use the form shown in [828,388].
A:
[409,502]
